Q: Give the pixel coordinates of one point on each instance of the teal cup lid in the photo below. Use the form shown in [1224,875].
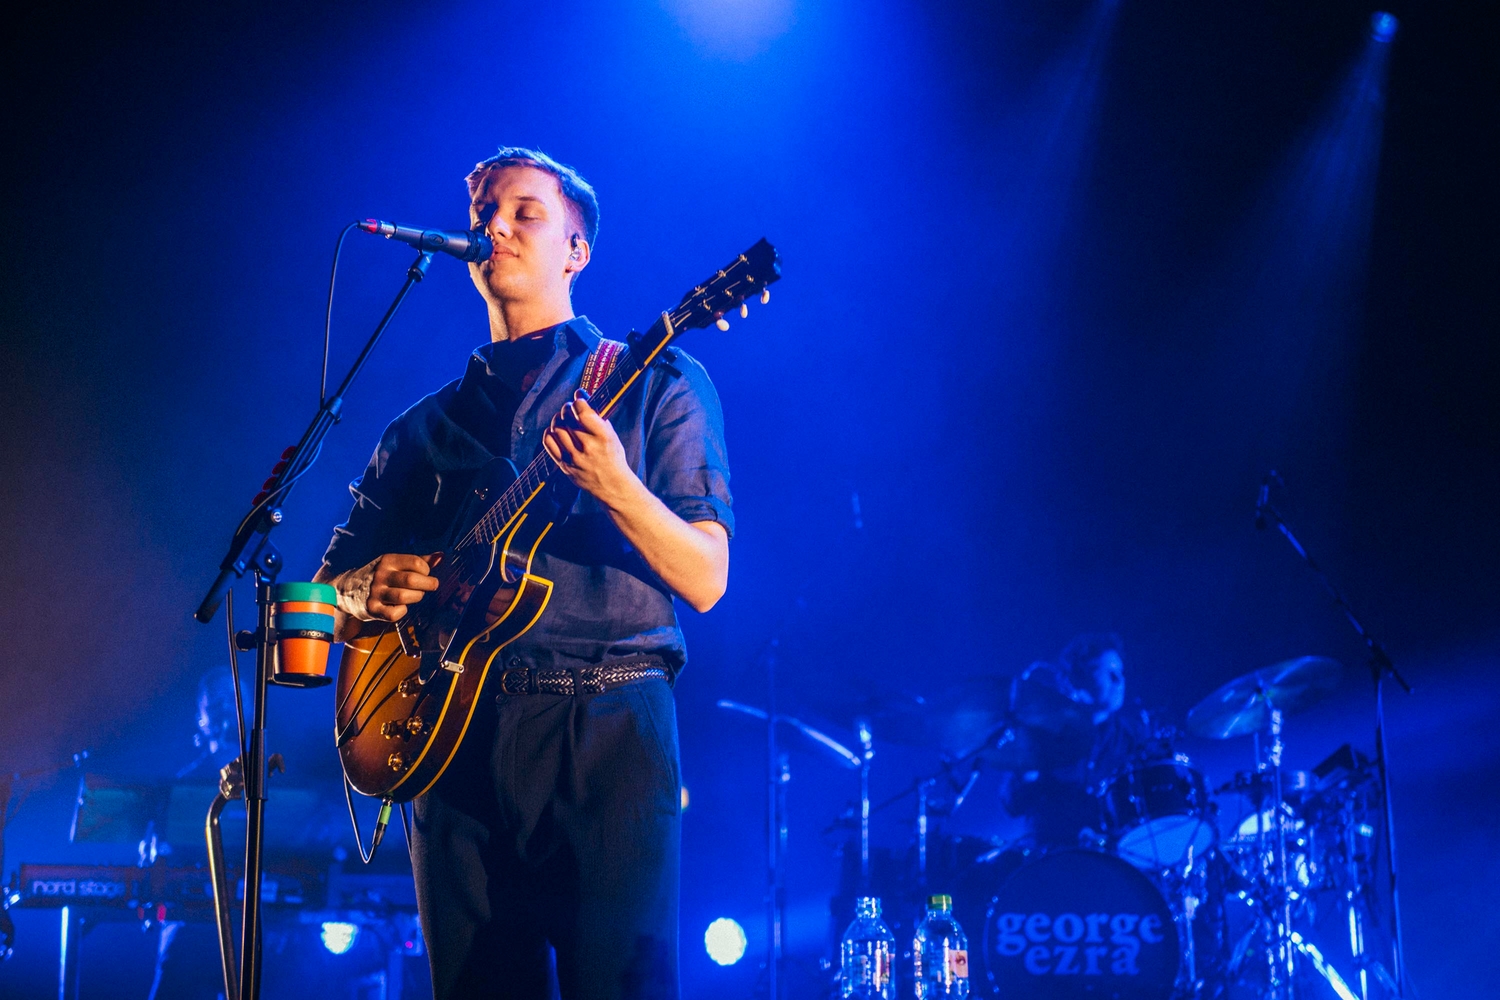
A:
[320,593]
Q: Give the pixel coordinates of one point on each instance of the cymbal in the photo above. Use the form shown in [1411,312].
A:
[1012,750]
[822,740]
[893,716]
[1244,705]
[953,718]
[1042,706]
[969,709]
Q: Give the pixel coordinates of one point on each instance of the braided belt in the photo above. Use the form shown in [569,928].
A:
[584,680]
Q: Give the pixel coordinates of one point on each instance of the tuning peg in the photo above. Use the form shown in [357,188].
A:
[721,323]
[765,296]
[744,311]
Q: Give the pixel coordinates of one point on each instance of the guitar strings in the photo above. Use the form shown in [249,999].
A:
[366,693]
[486,531]
[492,522]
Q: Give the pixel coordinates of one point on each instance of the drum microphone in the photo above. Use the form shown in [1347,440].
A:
[466,246]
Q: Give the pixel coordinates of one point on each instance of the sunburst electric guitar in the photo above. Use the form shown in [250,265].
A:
[407,691]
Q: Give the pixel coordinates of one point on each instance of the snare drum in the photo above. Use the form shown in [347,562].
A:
[1159,815]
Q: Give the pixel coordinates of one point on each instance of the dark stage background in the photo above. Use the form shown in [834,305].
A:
[1063,280]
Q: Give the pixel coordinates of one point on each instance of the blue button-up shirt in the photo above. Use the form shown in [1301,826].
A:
[605,602]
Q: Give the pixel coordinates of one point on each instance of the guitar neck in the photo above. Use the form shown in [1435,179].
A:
[630,364]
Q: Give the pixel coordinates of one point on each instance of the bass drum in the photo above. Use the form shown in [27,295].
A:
[1077,925]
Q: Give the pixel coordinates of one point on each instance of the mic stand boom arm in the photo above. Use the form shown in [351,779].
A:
[251,549]
[266,515]
[1381,666]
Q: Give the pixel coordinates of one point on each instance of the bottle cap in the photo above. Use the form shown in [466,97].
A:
[940,903]
[867,905]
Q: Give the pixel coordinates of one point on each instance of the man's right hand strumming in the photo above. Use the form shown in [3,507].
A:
[381,590]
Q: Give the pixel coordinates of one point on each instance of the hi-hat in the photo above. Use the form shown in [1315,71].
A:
[1244,705]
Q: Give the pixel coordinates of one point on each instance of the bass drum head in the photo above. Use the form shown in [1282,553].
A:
[1075,925]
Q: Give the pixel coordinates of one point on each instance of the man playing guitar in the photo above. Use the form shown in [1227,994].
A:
[553,836]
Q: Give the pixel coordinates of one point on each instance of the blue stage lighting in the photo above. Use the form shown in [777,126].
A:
[1383,26]
[338,937]
[725,941]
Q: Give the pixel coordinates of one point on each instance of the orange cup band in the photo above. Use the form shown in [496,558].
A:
[302,656]
[316,607]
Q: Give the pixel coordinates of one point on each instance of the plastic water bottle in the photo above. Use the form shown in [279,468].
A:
[866,953]
[941,953]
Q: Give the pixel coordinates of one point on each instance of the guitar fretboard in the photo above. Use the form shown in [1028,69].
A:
[540,470]
[698,308]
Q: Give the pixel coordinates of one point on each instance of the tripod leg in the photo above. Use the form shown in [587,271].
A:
[219,878]
[67,958]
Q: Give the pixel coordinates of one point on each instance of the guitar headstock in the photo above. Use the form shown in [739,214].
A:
[750,275]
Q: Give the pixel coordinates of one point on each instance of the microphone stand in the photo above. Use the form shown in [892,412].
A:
[9,803]
[777,775]
[251,550]
[922,782]
[1381,667]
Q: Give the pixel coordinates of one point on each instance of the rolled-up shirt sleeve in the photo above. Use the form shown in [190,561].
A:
[687,464]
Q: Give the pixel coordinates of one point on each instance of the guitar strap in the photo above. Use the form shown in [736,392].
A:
[600,363]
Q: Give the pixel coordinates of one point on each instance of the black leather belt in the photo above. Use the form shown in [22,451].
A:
[581,680]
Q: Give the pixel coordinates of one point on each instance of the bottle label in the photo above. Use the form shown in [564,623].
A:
[873,969]
[958,964]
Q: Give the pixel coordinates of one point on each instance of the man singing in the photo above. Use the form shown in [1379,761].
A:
[552,840]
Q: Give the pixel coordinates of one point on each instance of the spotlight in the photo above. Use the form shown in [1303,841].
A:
[1383,26]
[725,941]
[338,937]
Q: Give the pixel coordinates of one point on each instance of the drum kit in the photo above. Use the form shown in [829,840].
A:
[1260,886]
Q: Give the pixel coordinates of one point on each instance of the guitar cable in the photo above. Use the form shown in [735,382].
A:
[333,274]
[381,820]
[292,475]
[290,478]
[234,672]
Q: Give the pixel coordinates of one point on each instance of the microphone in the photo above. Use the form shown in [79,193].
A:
[466,246]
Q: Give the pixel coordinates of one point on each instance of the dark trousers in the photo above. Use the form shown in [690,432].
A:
[558,823]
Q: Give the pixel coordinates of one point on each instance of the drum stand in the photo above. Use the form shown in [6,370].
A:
[1280,944]
[1273,879]
[1184,887]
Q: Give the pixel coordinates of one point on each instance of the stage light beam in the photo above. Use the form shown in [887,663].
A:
[725,941]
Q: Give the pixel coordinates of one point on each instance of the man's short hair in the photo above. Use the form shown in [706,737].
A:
[1079,654]
[578,194]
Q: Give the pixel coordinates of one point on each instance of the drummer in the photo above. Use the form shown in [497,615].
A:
[1073,714]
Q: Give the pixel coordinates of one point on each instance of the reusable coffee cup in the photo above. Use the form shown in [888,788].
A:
[304,631]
